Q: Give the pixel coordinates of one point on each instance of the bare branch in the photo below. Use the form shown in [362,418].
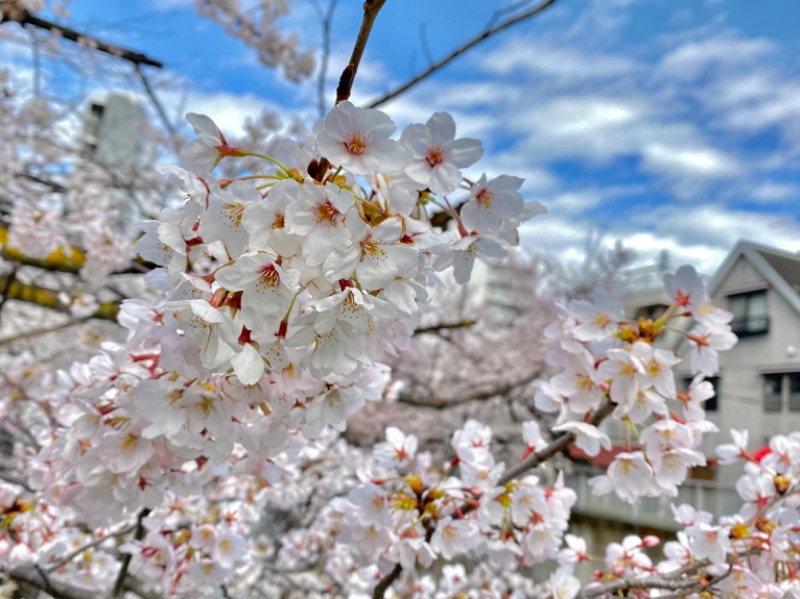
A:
[11,11]
[162,114]
[326,17]
[69,260]
[371,10]
[90,545]
[442,404]
[558,445]
[48,298]
[119,585]
[469,44]
[6,293]
[684,587]
[437,328]
[386,582]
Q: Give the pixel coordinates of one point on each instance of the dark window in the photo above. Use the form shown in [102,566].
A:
[712,403]
[750,315]
[794,392]
[773,390]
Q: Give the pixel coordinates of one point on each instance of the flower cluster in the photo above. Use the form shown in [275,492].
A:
[607,363]
[413,512]
[283,288]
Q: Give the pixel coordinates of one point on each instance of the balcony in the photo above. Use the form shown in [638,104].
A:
[654,512]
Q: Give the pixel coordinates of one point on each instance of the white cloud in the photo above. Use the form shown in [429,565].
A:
[227,110]
[693,58]
[556,64]
[774,192]
[682,161]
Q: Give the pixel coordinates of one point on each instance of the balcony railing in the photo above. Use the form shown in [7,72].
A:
[750,325]
[655,512]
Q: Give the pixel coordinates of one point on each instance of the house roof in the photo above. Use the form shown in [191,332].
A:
[779,268]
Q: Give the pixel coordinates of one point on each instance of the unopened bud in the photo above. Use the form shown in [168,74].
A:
[651,541]
[415,482]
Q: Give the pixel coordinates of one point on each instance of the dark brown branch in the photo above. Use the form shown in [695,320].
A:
[436,328]
[443,404]
[557,445]
[11,11]
[6,293]
[119,585]
[469,44]
[54,185]
[371,10]
[386,582]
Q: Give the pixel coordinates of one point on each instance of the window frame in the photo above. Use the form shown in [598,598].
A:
[749,323]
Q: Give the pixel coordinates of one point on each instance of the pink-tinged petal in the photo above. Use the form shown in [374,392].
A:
[442,128]
[464,152]
[248,365]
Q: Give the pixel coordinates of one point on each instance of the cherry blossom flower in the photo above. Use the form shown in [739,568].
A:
[437,156]
[358,140]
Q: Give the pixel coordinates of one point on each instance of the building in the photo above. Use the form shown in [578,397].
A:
[758,383]
[113,131]
[113,149]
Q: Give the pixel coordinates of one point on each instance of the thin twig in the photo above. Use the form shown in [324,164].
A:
[326,18]
[484,35]
[42,331]
[90,545]
[162,114]
[371,10]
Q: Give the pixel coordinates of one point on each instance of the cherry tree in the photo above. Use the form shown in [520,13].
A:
[200,454]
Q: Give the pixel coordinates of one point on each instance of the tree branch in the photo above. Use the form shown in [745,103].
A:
[162,114]
[326,17]
[371,10]
[684,588]
[469,44]
[69,260]
[5,294]
[48,298]
[12,11]
[119,585]
[436,328]
[42,331]
[558,445]
[443,404]
[386,582]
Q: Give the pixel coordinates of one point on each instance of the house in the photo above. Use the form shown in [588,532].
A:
[758,383]
[759,379]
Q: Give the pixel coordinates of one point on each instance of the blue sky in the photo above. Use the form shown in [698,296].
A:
[670,124]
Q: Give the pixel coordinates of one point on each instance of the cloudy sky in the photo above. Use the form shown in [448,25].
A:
[669,124]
